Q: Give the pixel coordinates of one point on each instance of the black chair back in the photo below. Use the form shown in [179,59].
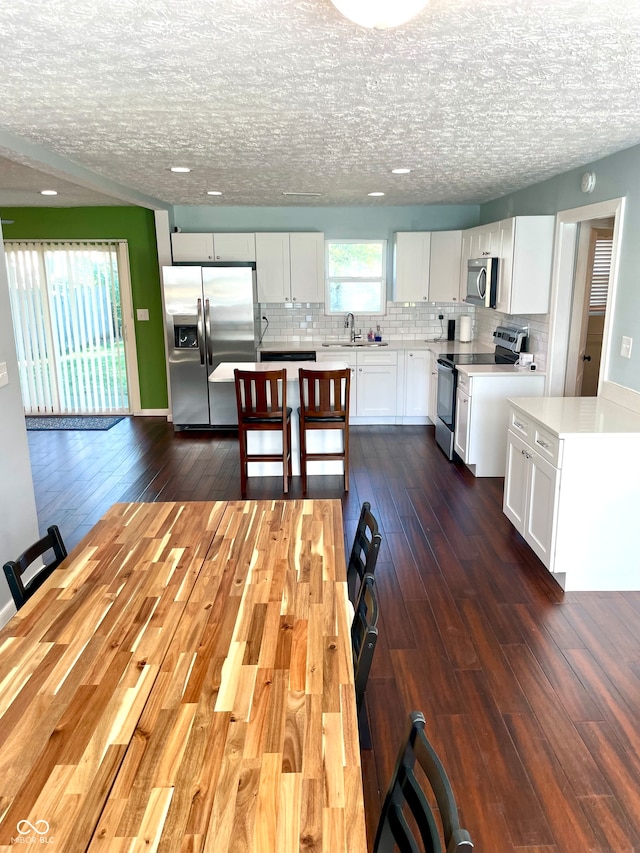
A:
[15,569]
[405,793]
[364,635]
[364,553]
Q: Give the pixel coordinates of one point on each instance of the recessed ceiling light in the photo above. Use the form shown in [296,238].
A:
[48,192]
[400,171]
[375,194]
[180,169]
[214,192]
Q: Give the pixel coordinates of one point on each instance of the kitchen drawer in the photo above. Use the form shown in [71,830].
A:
[464,382]
[520,424]
[548,445]
[369,357]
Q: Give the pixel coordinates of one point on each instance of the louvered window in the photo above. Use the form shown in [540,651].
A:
[600,271]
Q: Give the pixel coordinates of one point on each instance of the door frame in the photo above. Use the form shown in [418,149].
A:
[562,283]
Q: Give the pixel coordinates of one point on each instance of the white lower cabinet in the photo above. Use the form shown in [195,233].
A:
[417,384]
[482,414]
[344,355]
[377,384]
[530,493]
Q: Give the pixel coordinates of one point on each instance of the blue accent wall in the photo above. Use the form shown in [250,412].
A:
[617,176]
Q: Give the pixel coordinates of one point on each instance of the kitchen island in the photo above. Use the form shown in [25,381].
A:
[318,441]
[571,488]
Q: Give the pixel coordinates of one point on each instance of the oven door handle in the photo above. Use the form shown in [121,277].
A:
[446,365]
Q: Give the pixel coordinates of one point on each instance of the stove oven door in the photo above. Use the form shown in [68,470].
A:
[446,400]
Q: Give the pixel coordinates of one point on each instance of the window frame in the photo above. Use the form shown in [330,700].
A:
[355,279]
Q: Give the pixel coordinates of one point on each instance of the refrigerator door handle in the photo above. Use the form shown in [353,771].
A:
[207,326]
[200,331]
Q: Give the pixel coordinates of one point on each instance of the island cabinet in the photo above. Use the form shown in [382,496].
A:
[482,413]
[571,488]
[290,267]
[426,266]
[200,248]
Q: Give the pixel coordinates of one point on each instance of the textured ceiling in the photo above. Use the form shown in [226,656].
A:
[260,97]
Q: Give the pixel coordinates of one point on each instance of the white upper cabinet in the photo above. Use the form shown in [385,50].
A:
[199,248]
[234,247]
[191,247]
[412,251]
[524,270]
[290,267]
[273,267]
[306,253]
[444,266]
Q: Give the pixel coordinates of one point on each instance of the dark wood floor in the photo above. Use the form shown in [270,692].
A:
[531,697]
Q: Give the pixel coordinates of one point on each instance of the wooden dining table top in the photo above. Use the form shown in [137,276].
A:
[184,682]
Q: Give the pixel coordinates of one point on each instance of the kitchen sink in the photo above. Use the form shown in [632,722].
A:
[358,344]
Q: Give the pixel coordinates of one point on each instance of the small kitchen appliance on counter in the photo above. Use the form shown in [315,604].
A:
[510,342]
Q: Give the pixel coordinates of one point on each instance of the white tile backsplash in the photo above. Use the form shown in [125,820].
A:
[307,323]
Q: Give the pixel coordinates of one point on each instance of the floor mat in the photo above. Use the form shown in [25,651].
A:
[76,422]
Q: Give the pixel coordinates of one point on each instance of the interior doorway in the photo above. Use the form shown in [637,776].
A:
[590,297]
[565,328]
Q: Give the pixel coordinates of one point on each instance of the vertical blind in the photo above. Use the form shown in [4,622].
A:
[601,270]
[67,317]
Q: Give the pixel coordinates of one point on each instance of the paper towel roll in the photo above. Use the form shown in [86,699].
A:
[465,328]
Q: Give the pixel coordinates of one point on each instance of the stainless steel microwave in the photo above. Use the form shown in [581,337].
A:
[482,282]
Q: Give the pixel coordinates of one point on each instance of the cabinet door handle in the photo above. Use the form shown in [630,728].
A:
[519,425]
[542,443]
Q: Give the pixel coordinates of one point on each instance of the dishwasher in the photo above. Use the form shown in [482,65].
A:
[287,355]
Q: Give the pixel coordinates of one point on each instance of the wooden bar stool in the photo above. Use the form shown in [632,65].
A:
[324,404]
[261,397]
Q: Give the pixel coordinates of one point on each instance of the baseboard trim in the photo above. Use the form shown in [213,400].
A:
[626,397]
[153,413]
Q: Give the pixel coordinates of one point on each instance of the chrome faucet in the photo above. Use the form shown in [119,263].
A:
[349,322]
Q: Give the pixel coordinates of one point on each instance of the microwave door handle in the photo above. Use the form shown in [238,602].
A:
[200,331]
[482,278]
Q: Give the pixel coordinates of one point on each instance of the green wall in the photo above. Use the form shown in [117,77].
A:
[136,225]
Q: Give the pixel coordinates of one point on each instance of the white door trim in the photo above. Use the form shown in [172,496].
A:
[128,326]
[562,288]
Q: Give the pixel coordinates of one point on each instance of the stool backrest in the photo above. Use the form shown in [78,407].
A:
[261,394]
[324,393]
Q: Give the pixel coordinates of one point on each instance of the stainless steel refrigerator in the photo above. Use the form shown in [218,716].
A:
[211,316]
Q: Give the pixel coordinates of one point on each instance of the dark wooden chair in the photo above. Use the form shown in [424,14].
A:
[15,569]
[324,404]
[405,793]
[261,398]
[364,636]
[364,552]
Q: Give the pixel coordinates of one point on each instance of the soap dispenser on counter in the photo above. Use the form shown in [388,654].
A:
[378,334]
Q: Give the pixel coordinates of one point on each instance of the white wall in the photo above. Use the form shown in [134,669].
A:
[18,518]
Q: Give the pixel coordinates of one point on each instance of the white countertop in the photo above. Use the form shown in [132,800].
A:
[571,416]
[495,370]
[224,371]
[434,346]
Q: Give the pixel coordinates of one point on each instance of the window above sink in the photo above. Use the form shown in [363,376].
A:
[356,276]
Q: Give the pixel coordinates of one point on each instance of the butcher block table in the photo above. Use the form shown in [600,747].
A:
[184,682]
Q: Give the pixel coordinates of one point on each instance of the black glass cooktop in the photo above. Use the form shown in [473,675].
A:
[479,357]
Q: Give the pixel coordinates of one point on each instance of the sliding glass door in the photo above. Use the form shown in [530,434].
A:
[68,321]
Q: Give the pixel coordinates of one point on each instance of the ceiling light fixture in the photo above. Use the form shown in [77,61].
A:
[48,192]
[301,193]
[400,171]
[180,169]
[375,194]
[214,192]
[379,14]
